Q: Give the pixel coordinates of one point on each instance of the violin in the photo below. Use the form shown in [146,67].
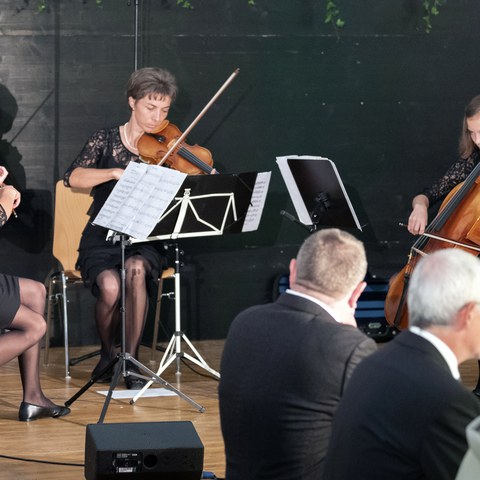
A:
[190,159]
[457,225]
[166,144]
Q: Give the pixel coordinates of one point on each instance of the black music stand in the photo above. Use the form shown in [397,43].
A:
[123,359]
[317,192]
[131,210]
[143,206]
[210,205]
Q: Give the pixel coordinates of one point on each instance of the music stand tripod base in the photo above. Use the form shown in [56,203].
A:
[174,348]
[174,352]
[119,362]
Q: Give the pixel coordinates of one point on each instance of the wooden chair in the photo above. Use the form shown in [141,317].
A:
[70,217]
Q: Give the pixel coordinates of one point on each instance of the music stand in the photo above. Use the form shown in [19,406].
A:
[317,192]
[210,205]
[130,208]
[124,358]
[144,203]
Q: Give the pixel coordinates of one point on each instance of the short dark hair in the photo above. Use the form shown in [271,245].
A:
[151,82]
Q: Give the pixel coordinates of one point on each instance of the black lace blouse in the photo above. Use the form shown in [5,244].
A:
[104,149]
[3,216]
[456,174]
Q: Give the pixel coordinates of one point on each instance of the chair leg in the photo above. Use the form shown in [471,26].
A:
[65,323]
[157,320]
[50,299]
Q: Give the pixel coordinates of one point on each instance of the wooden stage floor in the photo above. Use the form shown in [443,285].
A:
[63,440]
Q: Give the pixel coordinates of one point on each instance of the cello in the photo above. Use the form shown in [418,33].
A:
[457,225]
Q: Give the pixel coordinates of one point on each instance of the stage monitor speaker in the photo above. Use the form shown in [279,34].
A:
[137,451]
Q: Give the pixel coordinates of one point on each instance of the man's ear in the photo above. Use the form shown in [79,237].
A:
[352,301]
[293,271]
[464,316]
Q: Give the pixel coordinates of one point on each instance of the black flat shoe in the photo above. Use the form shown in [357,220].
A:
[29,412]
[106,377]
[134,383]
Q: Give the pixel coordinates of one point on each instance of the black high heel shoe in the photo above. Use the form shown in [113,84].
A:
[29,412]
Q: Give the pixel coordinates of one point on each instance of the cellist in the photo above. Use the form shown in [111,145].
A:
[469,157]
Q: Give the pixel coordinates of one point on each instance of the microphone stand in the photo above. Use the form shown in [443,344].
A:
[294,219]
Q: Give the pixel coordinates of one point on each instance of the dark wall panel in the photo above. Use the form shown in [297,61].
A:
[381,97]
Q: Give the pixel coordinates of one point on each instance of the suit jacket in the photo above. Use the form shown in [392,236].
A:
[283,370]
[403,416]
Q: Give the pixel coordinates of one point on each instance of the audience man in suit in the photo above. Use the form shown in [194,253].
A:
[285,365]
[404,413]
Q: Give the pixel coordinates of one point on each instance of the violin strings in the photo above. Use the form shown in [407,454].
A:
[185,153]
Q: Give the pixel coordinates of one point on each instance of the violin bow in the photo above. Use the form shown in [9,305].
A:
[200,115]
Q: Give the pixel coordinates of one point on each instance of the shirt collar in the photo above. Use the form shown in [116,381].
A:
[317,301]
[442,347]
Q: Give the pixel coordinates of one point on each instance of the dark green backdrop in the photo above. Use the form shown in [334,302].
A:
[381,98]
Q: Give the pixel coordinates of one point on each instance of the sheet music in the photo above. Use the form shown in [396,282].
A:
[139,199]
[254,212]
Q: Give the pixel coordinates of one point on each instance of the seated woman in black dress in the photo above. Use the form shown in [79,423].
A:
[100,164]
[22,304]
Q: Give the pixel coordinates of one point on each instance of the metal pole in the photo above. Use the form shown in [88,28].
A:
[136,36]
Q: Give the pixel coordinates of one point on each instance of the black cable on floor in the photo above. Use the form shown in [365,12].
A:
[186,362]
[205,475]
[8,457]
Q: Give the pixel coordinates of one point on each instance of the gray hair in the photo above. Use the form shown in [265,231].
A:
[331,262]
[441,284]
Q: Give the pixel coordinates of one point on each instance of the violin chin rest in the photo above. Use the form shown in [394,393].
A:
[162,126]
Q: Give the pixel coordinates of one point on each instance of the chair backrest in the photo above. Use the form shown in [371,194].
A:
[71,207]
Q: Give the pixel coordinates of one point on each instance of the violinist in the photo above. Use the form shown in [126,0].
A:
[101,162]
[469,157]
